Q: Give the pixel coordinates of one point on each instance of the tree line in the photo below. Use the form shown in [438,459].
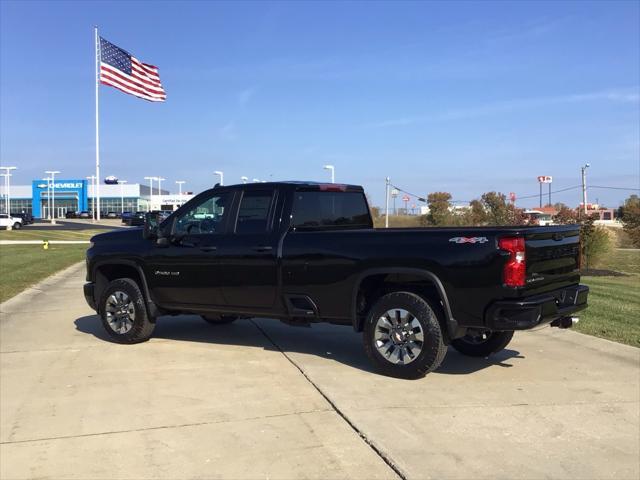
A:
[493,209]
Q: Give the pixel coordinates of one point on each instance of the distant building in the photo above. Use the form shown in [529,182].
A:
[78,195]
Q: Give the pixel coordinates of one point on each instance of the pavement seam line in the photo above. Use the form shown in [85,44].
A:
[383,456]
[159,427]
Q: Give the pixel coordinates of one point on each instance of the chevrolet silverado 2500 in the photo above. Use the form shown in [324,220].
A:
[304,252]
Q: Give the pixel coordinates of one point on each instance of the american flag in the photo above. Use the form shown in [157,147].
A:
[122,70]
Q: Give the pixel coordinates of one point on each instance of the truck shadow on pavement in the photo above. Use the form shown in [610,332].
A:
[333,342]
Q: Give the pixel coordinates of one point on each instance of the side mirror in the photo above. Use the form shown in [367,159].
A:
[151,222]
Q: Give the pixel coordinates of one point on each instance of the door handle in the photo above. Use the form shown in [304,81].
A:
[208,248]
[262,248]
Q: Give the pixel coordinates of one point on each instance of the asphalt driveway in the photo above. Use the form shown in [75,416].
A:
[258,399]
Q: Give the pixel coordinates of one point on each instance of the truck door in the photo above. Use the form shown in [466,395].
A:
[248,253]
[188,271]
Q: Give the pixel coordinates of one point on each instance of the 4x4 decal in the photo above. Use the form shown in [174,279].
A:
[469,239]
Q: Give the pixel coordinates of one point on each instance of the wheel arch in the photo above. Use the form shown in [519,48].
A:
[109,270]
[378,278]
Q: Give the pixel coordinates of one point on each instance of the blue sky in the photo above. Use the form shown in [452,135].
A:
[460,97]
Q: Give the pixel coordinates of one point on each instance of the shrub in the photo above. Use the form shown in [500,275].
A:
[596,242]
[631,219]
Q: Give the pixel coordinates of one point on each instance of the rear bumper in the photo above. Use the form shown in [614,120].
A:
[531,312]
[89,290]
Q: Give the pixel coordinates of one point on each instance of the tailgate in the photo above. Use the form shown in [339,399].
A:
[553,257]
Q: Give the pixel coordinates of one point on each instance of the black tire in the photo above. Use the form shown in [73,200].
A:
[219,319]
[433,349]
[141,325]
[17,226]
[476,346]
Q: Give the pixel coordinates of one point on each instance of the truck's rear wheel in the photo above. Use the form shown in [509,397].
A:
[402,335]
[17,226]
[219,319]
[124,313]
[482,343]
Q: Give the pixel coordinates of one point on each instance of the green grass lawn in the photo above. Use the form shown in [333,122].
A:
[32,234]
[24,265]
[614,309]
[627,261]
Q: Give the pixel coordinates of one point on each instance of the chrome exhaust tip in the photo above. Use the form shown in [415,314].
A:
[565,322]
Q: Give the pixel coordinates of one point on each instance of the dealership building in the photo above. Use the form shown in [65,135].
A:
[78,195]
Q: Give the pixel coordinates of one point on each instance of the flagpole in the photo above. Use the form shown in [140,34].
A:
[96,193]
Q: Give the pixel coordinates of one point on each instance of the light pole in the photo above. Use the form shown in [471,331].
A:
[244,179]
[122,182]
[386,196]
[584,187]
[221,175]
[93,198]
[48,180]
[180,182]
[7,183]
[160,179]
[6,176]
[151,179]
[333,172]
[53,194]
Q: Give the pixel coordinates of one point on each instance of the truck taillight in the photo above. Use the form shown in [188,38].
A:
[515,270]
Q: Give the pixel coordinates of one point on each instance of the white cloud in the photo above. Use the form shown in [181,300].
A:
[628,95]
[245,96]
[228,131]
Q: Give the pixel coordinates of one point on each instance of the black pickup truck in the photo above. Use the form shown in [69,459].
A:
[307,252]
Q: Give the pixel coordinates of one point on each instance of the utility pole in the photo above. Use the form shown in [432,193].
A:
[386,195]
[584,187]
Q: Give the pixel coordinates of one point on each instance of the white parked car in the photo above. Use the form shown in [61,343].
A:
[8,220]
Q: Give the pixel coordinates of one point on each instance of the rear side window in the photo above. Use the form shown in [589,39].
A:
[330,209]
[253,214]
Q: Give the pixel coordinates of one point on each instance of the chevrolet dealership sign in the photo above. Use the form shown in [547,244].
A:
[71,185]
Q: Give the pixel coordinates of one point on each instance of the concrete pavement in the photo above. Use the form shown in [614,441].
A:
[258,399]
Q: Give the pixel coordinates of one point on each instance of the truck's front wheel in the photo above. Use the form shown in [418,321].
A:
[124,313]
[482,343]
[402,335]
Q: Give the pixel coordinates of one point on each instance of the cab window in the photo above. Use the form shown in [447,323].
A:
[204,217]
[317,210]
[253,214]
